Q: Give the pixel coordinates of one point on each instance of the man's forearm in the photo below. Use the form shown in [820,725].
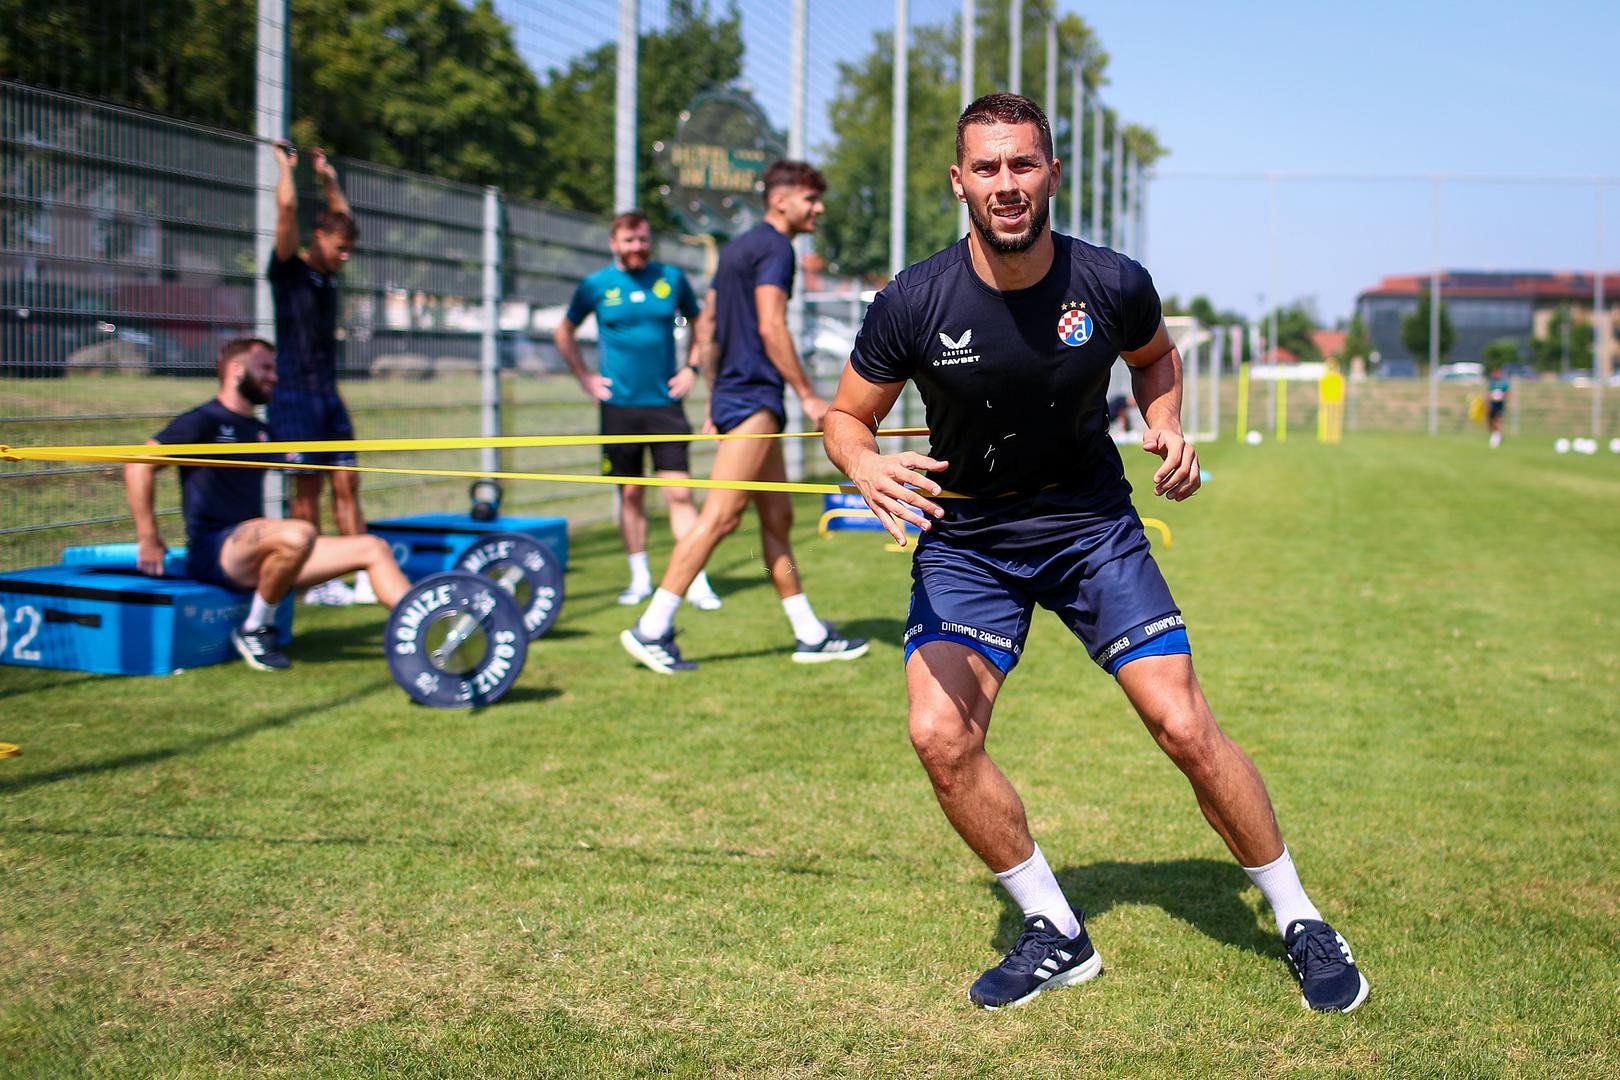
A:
[138,487]
[335,199]
[1157,388]
[846,440]
[568,345]
[785,359]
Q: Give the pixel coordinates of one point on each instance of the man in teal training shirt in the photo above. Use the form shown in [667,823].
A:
[640,385]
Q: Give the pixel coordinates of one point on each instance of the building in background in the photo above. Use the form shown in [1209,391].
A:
[1484,306]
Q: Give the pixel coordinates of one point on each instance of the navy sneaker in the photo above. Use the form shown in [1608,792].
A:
[833,647]
[1042,959]
[1328,978]
[261,648]
[656,654]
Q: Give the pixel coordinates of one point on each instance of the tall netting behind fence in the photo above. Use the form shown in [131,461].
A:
[483,148]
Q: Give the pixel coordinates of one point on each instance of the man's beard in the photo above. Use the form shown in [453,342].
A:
[252,389]
[636,261]
[1039,212]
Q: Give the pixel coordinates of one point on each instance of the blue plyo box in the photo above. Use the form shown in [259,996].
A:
[113,620]
[429,543]
[849,512]
[122,555]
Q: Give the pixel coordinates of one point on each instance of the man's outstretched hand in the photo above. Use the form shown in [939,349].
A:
[897,492]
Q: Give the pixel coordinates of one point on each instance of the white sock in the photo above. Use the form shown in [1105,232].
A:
[700,585]
[1035,889]
[660,614]
[1279,882]
[259,614]
[640,576]
[806,627]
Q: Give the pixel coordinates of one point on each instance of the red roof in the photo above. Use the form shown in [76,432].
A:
[1534,285]
[1329,342]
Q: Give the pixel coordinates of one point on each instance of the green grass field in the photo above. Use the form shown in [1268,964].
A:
[742,873]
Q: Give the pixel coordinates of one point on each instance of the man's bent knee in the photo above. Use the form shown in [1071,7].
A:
[943,742]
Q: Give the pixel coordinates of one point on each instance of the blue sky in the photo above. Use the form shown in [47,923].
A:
[1306,87]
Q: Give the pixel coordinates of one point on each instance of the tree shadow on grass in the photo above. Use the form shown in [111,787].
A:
[192,746]
[70,679]
[1205,893]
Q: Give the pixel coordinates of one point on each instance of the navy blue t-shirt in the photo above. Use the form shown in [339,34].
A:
[760,256]
[214,498]
[306,326]
[1015,383]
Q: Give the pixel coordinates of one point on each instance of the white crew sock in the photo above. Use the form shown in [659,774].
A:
[640,576]
[259,614]
[1279,882]
[660,614]
[806,627]
[700,585]
[1035,889]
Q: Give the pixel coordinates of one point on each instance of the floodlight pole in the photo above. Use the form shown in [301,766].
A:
[1434,318]
[1098,116]
[1116,229]
[1601,338]
[793,453]
[1077,142]
[269,124]
[1050,102]
[1015,46]
[624,115]
[970,23]
[897,142]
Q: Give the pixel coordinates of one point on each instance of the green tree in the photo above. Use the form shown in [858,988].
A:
[696,51]
[1295,324]
[1415,330]
[854,233]
[1357,341]
[436,86]
[1567,345]
[1503,352]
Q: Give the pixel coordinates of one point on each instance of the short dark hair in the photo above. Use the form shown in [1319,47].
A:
[790,173]
[236,347]
[630,219]
[336,221]
[1003,109]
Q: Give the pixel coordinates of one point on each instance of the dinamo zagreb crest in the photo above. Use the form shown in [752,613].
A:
[1074,325]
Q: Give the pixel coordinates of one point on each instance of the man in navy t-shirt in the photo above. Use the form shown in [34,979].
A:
[307,407]
[1009,335]
[228,541]
[757,359]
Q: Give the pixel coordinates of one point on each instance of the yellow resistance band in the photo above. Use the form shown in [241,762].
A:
[148,450]
[181,453]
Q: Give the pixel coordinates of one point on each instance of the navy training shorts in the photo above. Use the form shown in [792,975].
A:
[727,410]
[298,417]
[1101,581]
[629,459]
[202,557]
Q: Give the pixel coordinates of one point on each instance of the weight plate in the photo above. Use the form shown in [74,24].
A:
[526,569]
[455,641]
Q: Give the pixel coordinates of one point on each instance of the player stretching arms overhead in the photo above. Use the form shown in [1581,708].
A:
[1009,335]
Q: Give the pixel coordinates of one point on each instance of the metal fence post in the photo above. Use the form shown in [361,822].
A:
[793,452]
[1097,117]
[269,124]
[898,134]
[624,119]
[489,356]
[970,24]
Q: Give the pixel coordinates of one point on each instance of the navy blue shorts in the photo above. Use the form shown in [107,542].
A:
[298,417]
[1102,582]
[202,557]
[729,410]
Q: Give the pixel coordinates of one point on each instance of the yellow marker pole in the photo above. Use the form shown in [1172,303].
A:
[1330,408]
[1243,402]
[1282,410]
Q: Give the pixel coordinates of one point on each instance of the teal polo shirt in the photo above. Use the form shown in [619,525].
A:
[635,320]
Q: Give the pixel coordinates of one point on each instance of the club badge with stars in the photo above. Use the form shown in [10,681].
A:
[1074,325]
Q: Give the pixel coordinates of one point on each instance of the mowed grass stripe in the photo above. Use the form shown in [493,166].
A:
[743,872]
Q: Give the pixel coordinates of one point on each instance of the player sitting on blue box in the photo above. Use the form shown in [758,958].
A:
[229,542]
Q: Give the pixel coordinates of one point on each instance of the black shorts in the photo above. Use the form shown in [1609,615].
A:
[203,548]
[629,459]
[298,417]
